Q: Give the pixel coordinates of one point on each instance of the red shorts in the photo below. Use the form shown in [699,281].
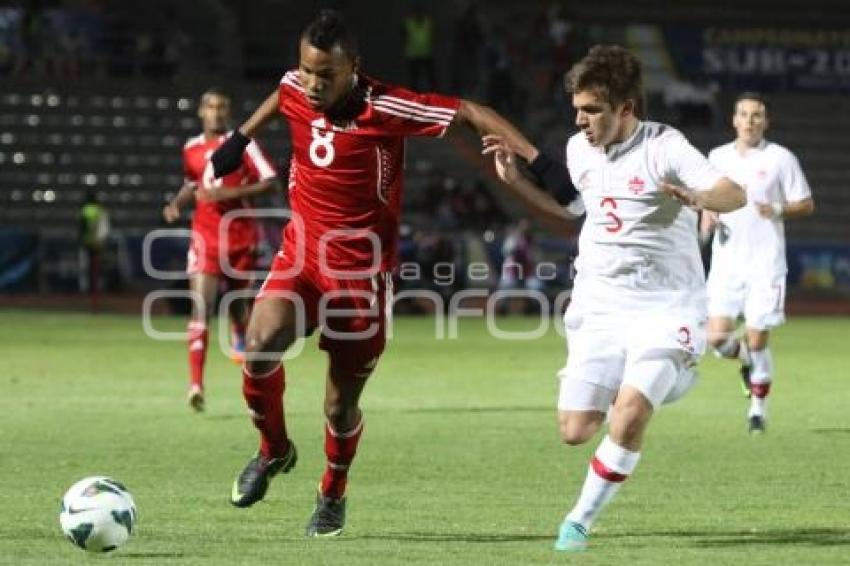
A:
[352,313]
[203,258]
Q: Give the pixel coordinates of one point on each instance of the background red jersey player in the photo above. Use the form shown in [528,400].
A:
[216,245]
[347,134]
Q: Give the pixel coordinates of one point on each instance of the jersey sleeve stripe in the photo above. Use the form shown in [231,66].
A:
[193,141]
[425,113]
[292,77]
[415,106]
[293,84]
[409,116]
[260,162]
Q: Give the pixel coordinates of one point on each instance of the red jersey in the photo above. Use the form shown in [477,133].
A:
[197,168]
[347,179]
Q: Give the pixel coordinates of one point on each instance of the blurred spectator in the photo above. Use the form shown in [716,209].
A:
[560,37]
[467,47]
[419,49]
[691,104]
[92,233]
[10,37]
[501,91]
[518,270]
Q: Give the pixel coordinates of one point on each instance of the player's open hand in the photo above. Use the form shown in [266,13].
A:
[503,157]
[170,213]
[686,196]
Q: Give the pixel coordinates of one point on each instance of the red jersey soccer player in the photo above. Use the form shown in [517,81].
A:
[215,198]
[347,134]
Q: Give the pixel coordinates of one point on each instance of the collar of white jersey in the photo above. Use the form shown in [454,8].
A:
[757,148]
[615,150]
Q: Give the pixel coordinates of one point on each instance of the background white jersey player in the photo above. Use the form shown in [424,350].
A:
[636,322]
[748,268]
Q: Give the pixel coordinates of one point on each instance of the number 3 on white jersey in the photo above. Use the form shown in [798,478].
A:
[321,148]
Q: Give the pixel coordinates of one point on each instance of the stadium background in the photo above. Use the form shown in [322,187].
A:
[98,97]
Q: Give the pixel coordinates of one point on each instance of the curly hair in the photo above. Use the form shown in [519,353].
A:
[614,73]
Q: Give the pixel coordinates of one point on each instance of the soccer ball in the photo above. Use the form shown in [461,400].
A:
[98,514]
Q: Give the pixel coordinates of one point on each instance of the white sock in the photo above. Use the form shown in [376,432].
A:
[758,407]
[610,467]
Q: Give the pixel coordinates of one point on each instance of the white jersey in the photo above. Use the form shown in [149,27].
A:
[638,246]
[745,242]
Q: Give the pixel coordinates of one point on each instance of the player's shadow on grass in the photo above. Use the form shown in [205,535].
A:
[824,536]
[413,410]
[159,555]
[486,538]
[821,536]
[226,417]
[495,409]
[832,430]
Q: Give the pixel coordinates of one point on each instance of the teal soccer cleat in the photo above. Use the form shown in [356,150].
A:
[571,538]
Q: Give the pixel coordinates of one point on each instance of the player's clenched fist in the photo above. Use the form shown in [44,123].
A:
[170,213]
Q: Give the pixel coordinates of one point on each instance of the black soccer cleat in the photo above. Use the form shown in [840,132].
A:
[757,424]
[328,517]
[252,483]
[746,385]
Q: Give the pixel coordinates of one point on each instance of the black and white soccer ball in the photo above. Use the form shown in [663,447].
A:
[98,514]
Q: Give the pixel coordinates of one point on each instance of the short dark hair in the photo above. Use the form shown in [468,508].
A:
[613,72]
[214,91]
[330,29]
[752,95]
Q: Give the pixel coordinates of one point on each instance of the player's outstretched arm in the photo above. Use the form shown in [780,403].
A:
[551,174]
[216,194]
[486,121]
[171,211]
[541,204]
[228,157]
[725,196]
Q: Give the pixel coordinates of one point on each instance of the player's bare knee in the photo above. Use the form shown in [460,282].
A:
[576,431]
[717,339]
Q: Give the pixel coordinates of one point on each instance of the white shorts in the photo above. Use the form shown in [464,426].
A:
[652,352]
[760,300]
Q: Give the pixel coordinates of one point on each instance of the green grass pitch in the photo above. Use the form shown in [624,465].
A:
[459,464]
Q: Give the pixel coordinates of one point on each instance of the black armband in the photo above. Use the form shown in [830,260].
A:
[554,177]
[228,157]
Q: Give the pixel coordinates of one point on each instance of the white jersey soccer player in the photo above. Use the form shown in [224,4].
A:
[748,266]
[636,321]
[639,292]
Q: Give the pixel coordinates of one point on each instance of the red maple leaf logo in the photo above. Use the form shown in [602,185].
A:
[636,185]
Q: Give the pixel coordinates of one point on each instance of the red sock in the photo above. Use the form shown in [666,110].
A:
[264,395]
[340,450]
[197,333]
